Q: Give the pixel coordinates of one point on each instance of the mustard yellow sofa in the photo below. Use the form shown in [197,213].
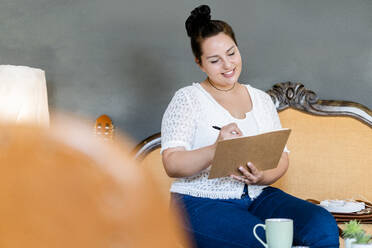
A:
[330,144]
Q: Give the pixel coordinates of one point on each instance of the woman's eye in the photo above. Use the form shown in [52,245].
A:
[231,54]
[214,61]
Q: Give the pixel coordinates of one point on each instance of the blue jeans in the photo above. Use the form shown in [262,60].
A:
[229,223]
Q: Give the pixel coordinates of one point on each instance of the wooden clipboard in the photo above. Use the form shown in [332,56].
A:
[263,150]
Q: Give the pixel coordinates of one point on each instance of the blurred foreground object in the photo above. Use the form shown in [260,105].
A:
[23,95]
[59,190]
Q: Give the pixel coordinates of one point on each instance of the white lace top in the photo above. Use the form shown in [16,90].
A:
[188,121]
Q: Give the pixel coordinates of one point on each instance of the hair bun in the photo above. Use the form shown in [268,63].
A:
[198,17]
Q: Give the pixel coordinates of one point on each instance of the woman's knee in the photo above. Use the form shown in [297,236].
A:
[321,229]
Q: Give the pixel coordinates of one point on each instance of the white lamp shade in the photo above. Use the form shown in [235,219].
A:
[23,95]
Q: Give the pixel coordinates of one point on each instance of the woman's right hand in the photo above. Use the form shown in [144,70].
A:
[229,131]
[178,162]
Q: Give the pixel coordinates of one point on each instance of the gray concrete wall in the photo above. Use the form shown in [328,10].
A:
[127,58]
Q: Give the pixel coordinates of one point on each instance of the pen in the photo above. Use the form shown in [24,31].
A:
[215,127]
[218,128]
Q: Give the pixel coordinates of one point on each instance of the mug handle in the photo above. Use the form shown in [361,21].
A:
[256,236]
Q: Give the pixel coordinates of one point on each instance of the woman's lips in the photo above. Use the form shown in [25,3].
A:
[229,74]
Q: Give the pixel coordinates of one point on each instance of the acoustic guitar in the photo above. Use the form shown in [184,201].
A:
[104,128]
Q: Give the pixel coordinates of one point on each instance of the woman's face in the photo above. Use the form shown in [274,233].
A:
[221,60]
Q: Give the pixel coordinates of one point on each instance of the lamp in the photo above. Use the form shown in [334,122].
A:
[23,95]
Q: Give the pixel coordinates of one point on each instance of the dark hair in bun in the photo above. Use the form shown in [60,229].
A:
[199,26]
[200,16]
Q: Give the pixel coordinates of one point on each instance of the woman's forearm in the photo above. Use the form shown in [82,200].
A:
[272,175]
[181,163]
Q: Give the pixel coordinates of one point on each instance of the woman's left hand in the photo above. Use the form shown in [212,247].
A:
[251,175]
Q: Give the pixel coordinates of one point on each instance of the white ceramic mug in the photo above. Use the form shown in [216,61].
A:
[279,233]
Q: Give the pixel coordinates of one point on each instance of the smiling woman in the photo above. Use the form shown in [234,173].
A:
[222,212]
[221,61]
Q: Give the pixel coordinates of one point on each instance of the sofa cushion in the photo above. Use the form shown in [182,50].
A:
[330,157]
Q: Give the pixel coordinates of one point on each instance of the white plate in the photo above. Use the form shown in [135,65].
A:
[341,206]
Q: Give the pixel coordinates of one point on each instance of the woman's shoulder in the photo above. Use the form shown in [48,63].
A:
[258,93]
[262,101]
[185,99]
[190,91]
[189,88]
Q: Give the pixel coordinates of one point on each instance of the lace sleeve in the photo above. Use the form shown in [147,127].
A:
[178,124]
